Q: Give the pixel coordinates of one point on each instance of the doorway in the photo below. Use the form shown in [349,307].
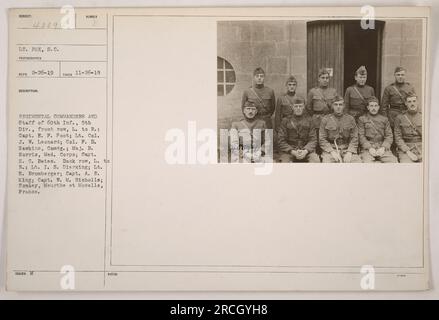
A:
[343,46]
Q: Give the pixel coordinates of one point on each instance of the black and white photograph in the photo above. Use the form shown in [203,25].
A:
[331,91]
[153,150]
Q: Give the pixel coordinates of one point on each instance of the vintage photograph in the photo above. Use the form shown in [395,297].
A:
[113,181]
[332,91]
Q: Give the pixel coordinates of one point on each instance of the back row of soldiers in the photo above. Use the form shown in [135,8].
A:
[350,129]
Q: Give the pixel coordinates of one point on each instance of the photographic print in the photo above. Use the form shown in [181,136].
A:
[344,91]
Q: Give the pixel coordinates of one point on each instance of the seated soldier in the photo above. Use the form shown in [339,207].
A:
[376,136]
[408,132]
[297,137]
[338,135]
[248,136]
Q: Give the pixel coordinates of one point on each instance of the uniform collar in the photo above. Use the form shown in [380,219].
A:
[250,121]
[373,116]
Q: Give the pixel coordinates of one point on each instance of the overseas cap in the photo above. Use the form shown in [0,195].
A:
[258,70]
[361,71]
[338,98]
[323,71]
[399,69]
[410,95]
[291,79]
[248,104]
[373,99]
[298,100]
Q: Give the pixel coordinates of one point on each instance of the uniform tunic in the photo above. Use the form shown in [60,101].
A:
[319,103]
[375,132]
[341,129]
[408,135]
[297,133]
[264,100]
[393,101]
[284,108]
[356,102]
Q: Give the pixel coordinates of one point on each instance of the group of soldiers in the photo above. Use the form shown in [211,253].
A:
[328,127]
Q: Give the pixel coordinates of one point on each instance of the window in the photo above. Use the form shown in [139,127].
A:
[226,77]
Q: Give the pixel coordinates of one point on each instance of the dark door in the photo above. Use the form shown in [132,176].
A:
[362,47]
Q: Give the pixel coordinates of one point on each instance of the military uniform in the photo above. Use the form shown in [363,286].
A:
[355,99]
[264,99]
[408,135]
[338,131]
[297,133]
[393,101]
[375,132]
[319,103]
[284,108]
[243,138]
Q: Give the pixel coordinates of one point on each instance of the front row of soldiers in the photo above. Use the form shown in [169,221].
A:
[340,137]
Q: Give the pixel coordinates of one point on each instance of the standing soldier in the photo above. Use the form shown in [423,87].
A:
[376,136]
[408,132]
[247,136]
[357,95]
[338,135]
[320,99]
[393,102]
[261,96]
[296,136]
[284,105]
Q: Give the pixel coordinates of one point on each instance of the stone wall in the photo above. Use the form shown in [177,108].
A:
[402,46]
[280,48]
